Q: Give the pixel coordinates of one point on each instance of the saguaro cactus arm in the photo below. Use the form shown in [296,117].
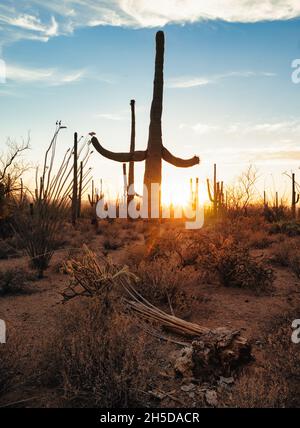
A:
[136,156]
[180,163]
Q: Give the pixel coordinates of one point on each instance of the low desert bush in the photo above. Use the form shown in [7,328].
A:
[260,240]
[273,214]
[276,382]
[162,284]
[235,266]
[289,228]
[8,249]
[287,254]
[98,357]
[112,244]
[13,281]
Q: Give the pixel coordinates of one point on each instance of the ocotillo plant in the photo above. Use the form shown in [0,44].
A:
[217,196]
[295,196]
[156,151]
[75,180]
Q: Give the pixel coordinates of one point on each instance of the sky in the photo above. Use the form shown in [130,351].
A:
[229,95]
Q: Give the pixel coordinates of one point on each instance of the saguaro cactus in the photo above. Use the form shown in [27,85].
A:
[155,150]
[217,197]
[93,200]
[132,149]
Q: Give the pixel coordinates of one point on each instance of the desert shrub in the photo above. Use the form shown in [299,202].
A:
[5,227]
[97,358]
[273,214]
[13,281]
[234,265]
[112,244]
[276,382]
[260,240]
[7,249]
[287,254]
[290,228]
[162,284]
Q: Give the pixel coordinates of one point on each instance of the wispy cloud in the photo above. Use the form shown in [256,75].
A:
[18,74]
[32,23]
[200,128]
[110,116]
[37,19]
[188,82]
[284,128]
[184,82]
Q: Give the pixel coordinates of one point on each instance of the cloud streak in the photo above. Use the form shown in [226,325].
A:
[37,19]
[51,76]
[289,128]
[192,82]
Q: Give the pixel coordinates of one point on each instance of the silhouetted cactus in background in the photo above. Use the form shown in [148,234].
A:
[194,195]
[94,198]
[155,150]
[295,196]
[217,196]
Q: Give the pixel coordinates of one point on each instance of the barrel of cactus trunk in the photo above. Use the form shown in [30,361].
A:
[154,149]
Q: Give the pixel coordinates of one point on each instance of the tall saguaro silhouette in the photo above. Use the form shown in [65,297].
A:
[156,151]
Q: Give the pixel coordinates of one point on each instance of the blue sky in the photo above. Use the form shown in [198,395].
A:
[229,96]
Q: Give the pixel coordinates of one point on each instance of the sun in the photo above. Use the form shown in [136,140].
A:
[178,193]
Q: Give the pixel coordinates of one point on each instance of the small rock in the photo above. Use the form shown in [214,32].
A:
[211,398]
[191,395]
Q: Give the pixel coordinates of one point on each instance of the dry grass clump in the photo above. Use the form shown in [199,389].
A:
[14,281]
[98,358]
[276,382]
[8,249]
[162,284]
[287,254]
[111,243]
[260,239]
